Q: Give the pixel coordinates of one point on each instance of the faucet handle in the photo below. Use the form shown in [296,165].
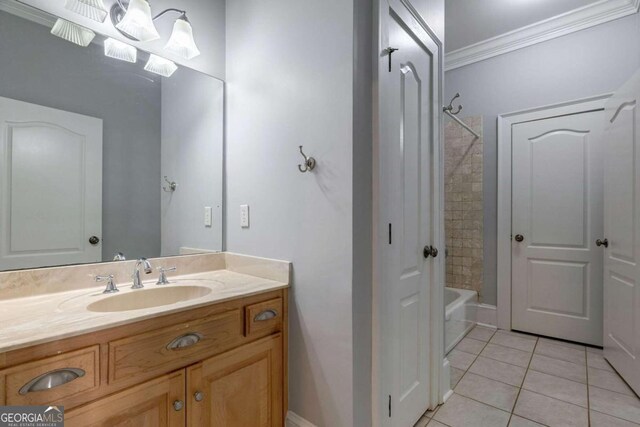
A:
[111,285]
[162,280]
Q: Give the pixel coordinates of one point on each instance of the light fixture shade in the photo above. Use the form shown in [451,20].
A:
[181,42]
[72,32]
[116,49]
[92,9]
[159,65]
[138,23]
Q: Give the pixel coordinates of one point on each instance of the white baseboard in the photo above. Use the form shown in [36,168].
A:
[487,315]
[445,381]
[295,420]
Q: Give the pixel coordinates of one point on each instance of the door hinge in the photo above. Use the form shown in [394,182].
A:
[390,51]
[389,406]
[390,233]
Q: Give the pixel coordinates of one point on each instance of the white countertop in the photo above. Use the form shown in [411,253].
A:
[49,317]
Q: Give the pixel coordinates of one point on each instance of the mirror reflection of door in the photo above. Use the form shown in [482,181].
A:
[50,187]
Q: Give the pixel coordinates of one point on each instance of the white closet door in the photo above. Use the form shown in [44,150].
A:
[557,216]
[50,186]
[622,230]
[407,166]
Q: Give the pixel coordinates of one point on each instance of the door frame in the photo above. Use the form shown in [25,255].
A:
[505,126]
[437,389]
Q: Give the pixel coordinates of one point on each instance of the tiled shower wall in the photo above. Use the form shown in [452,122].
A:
[463,204]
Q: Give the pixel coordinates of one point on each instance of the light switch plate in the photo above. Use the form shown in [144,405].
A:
[244,216]
[208,216]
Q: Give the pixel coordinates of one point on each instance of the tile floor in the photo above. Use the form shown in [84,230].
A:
[503,378]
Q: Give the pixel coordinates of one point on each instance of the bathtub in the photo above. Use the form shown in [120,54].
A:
[459,315]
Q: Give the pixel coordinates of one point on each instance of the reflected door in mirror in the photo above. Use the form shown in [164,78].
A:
[50,186]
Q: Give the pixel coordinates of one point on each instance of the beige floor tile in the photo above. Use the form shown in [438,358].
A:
[481,333]
[556,387]
[576,346]
[470,345]
[455,377]
[608,380]
[518,334]
[517,421]
[494,393]
[549,411]
[460,411]
[422,422]
[499,371]
[513,341]
[603,420]
[460,359]
[561,352]
[616,404]
[434,423]
[560,368]
[506,354]
[595,360]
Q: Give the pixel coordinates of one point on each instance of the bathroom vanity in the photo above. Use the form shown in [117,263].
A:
[209,348]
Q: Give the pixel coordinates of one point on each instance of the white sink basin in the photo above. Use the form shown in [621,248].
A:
[148,298]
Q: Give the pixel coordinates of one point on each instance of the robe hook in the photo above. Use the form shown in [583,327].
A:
[449,107]
[172,185]
[309,163]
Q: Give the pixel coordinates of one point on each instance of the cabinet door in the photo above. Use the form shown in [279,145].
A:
[157,403]
[240,388]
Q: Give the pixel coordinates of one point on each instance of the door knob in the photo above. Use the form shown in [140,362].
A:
[198,396]
[604,243]
[519,238]
[429,251]
[94,240]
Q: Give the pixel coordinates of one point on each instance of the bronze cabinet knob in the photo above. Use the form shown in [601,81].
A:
[519,238]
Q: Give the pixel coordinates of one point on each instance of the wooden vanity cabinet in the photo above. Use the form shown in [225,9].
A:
[230,373]
[239,388]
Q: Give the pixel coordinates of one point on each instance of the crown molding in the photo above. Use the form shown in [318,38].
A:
[566,23]
[27,12]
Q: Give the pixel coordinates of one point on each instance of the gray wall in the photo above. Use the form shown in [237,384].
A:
[192,151]
[42,69]
[590,62]
[279,98]
[206,16]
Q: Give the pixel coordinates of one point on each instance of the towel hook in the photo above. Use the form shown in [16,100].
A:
[172,185]
[309,162]
[449,107]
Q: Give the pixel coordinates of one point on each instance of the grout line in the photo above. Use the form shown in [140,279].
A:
[515,402]
[612,416]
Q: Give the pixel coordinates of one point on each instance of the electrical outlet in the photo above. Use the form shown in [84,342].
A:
[208,216]
[244,216]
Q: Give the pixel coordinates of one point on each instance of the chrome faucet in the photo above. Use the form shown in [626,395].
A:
[137,283]
[111,285]
[162,280]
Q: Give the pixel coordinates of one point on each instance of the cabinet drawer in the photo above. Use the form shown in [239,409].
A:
[54,380]
[263,318]
[169,348]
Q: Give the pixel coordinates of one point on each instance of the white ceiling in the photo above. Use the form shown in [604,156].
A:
[471,21]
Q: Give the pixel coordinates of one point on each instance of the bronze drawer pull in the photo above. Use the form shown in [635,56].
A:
[51,380]
[184,341]
[265,315]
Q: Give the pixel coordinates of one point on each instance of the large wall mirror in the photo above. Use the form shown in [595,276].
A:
[89,130]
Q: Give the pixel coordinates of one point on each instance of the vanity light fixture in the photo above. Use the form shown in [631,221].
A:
[181,42]
[137,22]
[134,20]
[159,65]
[92,9]
[118,50]
[72,32]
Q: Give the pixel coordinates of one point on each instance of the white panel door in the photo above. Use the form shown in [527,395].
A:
[50,186]
[557,216]
[622,230]
[406,162]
